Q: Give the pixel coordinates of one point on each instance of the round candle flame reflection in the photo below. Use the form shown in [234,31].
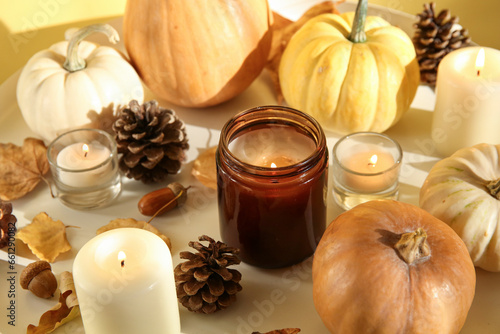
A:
[480,61]
[121,258]
[85,149]
[273,165]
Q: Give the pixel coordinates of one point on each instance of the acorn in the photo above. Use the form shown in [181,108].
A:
[163,200]
[38,278]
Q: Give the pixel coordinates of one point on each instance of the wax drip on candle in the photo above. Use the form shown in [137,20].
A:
[121,258]
[480,61]
[373,160]
[85,149]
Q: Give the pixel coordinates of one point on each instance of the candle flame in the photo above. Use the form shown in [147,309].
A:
[373,160]
[85,149]
[121,258]
[480,61]
[273,165]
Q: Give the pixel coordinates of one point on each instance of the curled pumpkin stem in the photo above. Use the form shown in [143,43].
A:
[413,246]
[358,34]
[73,61]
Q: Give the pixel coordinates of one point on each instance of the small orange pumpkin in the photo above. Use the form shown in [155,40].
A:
[391,267]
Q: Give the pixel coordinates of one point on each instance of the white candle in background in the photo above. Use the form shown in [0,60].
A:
[467,110]
[275,146]
[76,158]
[125,284]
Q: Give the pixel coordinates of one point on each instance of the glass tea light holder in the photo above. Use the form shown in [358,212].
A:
[272,165]
[84,166]
[365,167]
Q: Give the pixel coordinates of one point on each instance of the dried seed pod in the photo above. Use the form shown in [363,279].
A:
[163,200]
[38,278]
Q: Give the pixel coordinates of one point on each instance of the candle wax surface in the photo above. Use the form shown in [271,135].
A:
[74,156]
[377,176]
[278,145]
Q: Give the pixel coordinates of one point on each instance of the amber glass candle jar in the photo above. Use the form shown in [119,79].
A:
[272,165]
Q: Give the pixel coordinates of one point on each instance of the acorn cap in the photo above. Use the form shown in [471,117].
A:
[31,271]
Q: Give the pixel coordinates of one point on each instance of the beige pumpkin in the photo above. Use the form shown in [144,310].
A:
[198,53]
[463,190]
[60,86]
[391,267]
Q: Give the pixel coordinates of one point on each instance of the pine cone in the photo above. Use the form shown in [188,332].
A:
[204,284]
[152,140]
[434,38]
[7,223]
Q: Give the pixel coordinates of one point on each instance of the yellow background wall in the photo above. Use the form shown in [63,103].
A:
[28,26]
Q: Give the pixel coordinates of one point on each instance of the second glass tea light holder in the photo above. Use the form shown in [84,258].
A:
[84,166]
[365,167]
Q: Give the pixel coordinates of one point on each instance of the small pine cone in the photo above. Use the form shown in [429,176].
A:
[204,283]
[7,223]
[152,141]
[435,37]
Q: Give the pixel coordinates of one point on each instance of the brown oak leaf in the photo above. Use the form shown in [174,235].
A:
[131,222]
[45,237]
[22,168]
[283,30]
[281,331]
[66,310]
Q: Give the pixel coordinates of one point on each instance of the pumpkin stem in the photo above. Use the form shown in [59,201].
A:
[358,34]
[494,188]
[73,61]
[413,246]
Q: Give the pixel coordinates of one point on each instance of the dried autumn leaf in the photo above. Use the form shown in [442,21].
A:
[131,222]
[282,331]
[283,30]
[23,167]
[45,237]
[204,168]
[66,310]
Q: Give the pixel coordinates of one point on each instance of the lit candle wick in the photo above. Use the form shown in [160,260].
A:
[85,149]
[480,61]
[373,160]
[121,258]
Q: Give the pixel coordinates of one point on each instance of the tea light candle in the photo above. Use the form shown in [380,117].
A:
[372,171]
[467,108]
[80,156]
[365,167]
[125,284]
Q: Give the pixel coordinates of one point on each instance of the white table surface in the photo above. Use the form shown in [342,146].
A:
[255,309]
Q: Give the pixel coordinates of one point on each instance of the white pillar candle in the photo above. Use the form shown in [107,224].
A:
[274,146]
[81,165]
[125,284]
[467,110]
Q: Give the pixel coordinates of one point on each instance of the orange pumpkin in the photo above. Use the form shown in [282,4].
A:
[197,53]
[390,267]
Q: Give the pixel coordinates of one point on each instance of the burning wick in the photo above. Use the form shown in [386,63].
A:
[373,160]
[85,149]
[121,258]
[480,61]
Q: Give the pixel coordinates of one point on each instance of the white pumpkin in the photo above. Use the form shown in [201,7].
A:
[463,190]
[59,86]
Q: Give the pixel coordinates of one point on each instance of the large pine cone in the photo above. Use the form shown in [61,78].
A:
[152,141]
[204,284]
[7,223]
[435,37]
